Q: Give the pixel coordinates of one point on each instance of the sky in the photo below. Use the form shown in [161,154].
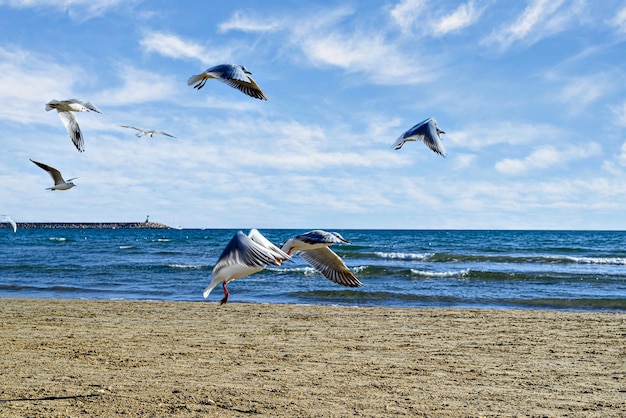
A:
[531,95]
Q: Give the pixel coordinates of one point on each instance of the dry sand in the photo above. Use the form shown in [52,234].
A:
[106,358]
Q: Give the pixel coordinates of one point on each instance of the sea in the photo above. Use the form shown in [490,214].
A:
[502,269]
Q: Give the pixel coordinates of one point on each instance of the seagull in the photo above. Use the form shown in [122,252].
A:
[8,219]
[65,108]
[427,131]
[313,247]
[146,132]
[234,75]
[59,183]
[244,255]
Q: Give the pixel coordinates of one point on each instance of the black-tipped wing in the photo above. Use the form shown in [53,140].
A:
[248,86]
[54,173]
[73,130]
[242,250]
[319,236]
[331,266]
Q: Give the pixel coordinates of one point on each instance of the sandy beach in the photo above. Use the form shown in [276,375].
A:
[106,358]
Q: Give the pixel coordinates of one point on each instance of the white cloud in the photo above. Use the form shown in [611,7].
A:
[619,20]
[621,158]
[489,133]
[463,16]
[619,113]
[173,46]
[378,59]
[582,91]
[246,23]
[29,80]
[140,86]
[547,156]
[80,10]
[406,12]
[318,37]
[540,19]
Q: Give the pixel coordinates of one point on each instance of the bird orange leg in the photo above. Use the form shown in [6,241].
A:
[226,294]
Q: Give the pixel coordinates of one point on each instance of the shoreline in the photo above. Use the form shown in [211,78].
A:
[87,225]
[66,357]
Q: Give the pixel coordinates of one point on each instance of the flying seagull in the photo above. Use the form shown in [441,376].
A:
[147,132]
[8,219]
[244,255]
[59,183]
[66,109]
[313,246]
[236,76]
[427,131]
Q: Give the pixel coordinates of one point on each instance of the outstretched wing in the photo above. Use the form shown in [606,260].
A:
[54,173]
[73,130]
[331,266]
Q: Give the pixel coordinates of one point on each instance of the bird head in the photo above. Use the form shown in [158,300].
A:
[245,70]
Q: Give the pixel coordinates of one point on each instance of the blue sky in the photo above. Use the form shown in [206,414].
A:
[531,95]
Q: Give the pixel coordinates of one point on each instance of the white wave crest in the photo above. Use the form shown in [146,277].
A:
[184,266]
[405,256]
[620,261]
[460,273]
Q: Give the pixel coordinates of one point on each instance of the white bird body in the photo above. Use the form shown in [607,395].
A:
[244,255]
[66,109]
[426,131]
[59,182]
[8,219]
[313,246]
[146,132]
[234,75]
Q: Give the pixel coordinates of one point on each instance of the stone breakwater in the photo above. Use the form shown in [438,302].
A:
[88,225]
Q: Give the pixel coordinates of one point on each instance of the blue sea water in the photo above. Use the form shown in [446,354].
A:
[550,270]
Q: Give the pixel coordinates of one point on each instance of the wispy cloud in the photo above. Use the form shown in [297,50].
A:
[173,46]
[29,80]
[406,12]
[80,10]
[139,86]
[323,41]
[619,20]
[579,92]
[464,15]
[545,157]
[489,133]
[540,19]
[619,112]
[244,22]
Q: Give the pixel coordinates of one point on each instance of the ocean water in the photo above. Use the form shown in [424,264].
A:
[548,270]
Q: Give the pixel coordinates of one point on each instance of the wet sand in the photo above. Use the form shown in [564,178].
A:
[63,358]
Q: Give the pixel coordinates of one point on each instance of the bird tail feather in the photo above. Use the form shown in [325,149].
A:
[208,290]
[194,79]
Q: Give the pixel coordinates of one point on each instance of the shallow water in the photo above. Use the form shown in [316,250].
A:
[571,270]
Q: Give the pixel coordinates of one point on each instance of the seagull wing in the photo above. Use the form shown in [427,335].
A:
[164,133]
[240,258]
[54,173]
[71,124]
[242,250]
[279,255]
[248,86]
[12,222]
[132,127]
[87,104]
[432,140]
[331,266]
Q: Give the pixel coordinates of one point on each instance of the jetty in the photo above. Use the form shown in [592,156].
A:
[88,225]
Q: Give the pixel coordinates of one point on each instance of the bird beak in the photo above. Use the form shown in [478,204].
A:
[440,131]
